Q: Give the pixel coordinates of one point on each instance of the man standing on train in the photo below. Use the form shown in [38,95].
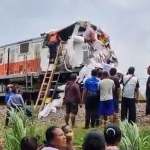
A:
[52,44]
[89,34]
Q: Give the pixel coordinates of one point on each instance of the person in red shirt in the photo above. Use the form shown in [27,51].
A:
[72,99]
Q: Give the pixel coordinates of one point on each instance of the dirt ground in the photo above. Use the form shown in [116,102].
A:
[58,117]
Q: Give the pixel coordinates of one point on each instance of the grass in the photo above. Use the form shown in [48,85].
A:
[22,126]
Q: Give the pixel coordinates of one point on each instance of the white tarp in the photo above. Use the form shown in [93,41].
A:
[52,107]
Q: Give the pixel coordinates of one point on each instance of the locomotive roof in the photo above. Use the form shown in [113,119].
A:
[81,23]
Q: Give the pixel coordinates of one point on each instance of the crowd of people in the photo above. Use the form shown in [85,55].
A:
[101,94]
[61,139]
[14,99]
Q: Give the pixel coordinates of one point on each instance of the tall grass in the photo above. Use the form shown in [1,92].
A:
[21,126]
[132,138]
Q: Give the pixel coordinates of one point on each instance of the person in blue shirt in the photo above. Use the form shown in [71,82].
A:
[8,94]
[91,98]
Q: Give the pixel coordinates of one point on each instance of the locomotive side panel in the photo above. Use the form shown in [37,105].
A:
[21,58]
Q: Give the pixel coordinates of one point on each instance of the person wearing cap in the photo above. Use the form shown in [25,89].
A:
[148,92]
[91,98]
[130,95]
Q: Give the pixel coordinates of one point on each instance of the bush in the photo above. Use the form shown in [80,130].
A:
[132,138]
[21,126]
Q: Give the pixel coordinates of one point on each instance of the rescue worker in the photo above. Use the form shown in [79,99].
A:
[107,66]
[91,99]
[52,43]
[89,34]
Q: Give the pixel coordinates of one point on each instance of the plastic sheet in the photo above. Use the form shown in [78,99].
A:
[51,107]
[85,72]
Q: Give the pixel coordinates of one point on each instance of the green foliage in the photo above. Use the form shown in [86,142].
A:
[14,135]
[21,126]
[132,138]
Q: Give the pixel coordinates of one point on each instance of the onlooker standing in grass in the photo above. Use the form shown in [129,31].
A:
[94,141]
[8,94]
[16,102]
[116,92]
[112,135]
[130,95]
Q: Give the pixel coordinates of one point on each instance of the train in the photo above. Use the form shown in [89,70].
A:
[25,62]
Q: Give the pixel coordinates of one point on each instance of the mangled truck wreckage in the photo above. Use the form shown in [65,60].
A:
[80,54]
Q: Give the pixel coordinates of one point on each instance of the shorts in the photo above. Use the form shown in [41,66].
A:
[71,107]
[106,108]
[116,105]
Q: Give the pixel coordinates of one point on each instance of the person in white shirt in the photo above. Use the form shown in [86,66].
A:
[107,66]
[106,97]
[130,95]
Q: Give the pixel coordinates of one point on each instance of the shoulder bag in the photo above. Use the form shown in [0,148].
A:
[124,84]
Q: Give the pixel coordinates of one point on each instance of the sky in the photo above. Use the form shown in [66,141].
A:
[125,21]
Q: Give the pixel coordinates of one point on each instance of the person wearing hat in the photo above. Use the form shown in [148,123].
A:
[148,92]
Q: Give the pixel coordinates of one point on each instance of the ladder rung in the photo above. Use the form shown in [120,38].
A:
[51,89]
[54,81]
[40,99]
[47,77]
[45,83]
[56,73]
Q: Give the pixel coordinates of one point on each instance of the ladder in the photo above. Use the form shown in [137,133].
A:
[29,82]
[48,80]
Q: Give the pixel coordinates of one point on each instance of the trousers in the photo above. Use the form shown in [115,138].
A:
[128,109]
[52,49]
[92,111]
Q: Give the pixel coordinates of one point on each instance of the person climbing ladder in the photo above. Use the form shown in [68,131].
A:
[52,44]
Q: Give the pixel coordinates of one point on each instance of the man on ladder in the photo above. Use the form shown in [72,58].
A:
[52,44]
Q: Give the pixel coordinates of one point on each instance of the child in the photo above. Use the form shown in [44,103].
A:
[112,135]
[94,140]
[29,143]
[69,135]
